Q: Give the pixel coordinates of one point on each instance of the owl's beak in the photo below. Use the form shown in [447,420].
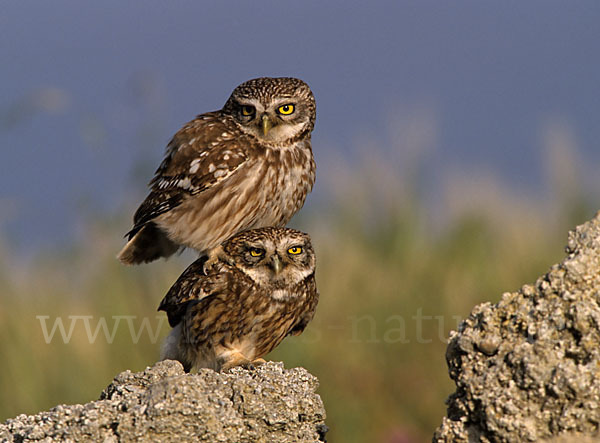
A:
[276,264]
[266,124]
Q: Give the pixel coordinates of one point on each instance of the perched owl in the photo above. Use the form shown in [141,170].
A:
[247,166]
[261,289]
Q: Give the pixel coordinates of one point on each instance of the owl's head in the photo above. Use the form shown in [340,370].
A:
[274,110]
[273,258]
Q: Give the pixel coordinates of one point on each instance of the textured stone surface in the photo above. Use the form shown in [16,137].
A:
[162,403]
[528,368]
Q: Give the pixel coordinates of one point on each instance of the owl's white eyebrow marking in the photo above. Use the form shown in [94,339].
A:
[284,100]
[249,101]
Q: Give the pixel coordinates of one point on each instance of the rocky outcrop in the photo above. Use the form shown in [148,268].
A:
[528,367]
[162,403]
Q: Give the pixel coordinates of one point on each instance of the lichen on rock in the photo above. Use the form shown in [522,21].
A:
[528,367]
[163,403]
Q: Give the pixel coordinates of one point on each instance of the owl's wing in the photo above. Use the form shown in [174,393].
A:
[203,153]
[312,299]
[191,286]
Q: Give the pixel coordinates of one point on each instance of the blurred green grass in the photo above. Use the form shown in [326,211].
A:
[393,283]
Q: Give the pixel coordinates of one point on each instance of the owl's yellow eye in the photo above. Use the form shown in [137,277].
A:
[295,250]
[247,110]
[286,109]
[256,252]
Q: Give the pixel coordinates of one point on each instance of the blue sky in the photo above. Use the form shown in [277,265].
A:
[92,92]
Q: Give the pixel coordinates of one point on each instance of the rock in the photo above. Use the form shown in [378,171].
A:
[163,403]
[528,368]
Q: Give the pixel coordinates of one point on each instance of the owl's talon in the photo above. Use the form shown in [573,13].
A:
[251,366]
[214,256]
[236,359]
[208,264]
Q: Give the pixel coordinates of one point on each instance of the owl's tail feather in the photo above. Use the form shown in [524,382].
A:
[148,244]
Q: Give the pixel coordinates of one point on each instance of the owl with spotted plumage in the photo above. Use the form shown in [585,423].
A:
[260,290]
[246,166]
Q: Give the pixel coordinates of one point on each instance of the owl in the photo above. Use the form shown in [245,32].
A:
[247,166]
[260,290]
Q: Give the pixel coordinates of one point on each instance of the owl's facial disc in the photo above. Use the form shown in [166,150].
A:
[274,122]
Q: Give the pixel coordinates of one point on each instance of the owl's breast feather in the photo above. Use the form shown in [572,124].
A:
[267,190]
